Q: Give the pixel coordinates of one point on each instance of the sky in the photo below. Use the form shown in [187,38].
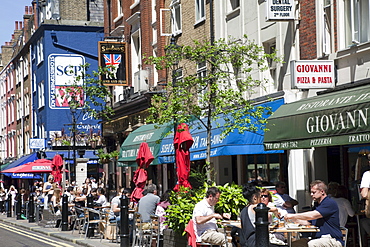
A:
[10,11]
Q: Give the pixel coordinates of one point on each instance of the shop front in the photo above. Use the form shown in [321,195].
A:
[326,137]
[151,134]
[238,157]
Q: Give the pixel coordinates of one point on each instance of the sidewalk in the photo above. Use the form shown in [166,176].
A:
[55,232]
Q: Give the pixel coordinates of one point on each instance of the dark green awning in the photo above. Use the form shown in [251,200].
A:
[337,118]
[148,133]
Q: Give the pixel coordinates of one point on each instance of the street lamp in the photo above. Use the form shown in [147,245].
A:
[171,50]
[73,104]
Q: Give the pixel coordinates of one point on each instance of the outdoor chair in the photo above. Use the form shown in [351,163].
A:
[109,229]
[78,219]
[91,222]
[141,237]
[155,234]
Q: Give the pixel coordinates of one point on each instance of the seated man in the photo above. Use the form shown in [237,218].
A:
[325,216]
[148,203]
[205,219]
[283,201]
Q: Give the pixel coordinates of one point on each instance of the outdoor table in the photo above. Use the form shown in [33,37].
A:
[289,231]
[236,223]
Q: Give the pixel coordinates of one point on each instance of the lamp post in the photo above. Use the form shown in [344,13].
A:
[170,50]
[73,108]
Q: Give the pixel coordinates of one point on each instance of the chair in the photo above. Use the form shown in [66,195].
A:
[90,221]
[77,219]
[55,216]
[189,229]
[109,229]
[141,236]
[345,235]
[155,234]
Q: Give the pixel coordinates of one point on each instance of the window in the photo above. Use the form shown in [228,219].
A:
[199,10]
[119,8]
[41,92]
[202,88]
[233,4]
[326,27]
[176,17]
[40,51]
[270,48]
[264,168]
[357,21]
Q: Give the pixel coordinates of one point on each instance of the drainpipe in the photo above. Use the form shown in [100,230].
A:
[211,22]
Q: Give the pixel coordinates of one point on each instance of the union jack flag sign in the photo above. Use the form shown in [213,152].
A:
[112,60]
[112,55]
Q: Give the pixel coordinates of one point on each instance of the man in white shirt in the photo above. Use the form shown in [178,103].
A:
[205,219]
[283,201]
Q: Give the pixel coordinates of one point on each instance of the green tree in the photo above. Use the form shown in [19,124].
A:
[223,91]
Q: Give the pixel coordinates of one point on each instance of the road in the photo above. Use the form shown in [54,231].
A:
[13,236]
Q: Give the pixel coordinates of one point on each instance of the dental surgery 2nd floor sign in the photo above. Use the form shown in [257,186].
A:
[62,72]
[280,10]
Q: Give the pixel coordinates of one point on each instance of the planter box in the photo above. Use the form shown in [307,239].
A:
[172,239]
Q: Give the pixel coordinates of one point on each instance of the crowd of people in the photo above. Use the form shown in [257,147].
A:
[328,213]
[330,208]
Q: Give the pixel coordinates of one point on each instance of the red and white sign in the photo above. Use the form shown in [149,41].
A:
[312,74]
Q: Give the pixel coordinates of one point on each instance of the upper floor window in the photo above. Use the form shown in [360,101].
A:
[119,8]
[233,4]
[199,10]
[357,21]
[40,51]
[176,17]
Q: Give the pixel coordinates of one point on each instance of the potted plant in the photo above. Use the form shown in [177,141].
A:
[182,205]
[114,154]
[103,156]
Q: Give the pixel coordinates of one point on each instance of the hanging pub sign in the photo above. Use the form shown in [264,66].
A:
[280,10]
[112,55]
[312,74]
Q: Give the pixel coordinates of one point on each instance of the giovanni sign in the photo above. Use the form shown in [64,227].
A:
[338,118]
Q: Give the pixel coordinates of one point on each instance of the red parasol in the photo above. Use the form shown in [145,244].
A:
[57,166]
[182,143]
[143,159]
[38,166]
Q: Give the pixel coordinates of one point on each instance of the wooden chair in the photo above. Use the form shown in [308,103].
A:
[141,236]
[155,234]
[109,229]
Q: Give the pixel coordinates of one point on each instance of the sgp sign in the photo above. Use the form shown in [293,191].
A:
[280,10]
[312,74]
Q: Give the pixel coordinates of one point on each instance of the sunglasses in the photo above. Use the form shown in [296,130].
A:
[265,196]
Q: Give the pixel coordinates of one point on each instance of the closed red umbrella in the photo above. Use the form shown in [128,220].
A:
[143,159]
[57,165]
[182,143]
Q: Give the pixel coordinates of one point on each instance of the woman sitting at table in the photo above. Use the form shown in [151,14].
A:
[248,216]
[102,200]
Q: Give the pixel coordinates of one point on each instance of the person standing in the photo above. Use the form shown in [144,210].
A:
[325,215]
[283,201]
[148,203]
[365,222]
[205,219]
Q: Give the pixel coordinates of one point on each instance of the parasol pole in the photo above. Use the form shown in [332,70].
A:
[64,177]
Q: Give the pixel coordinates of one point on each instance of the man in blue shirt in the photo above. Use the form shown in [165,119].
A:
[325,216]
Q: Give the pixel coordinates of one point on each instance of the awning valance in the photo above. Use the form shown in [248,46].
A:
[337,118]
[147,133]
[233,144]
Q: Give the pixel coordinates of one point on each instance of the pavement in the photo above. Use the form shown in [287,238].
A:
[57,233]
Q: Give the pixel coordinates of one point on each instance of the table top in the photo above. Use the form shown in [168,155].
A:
[236,223]
[298,229]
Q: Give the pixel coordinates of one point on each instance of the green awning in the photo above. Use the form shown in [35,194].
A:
[337,118]
[148,133]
